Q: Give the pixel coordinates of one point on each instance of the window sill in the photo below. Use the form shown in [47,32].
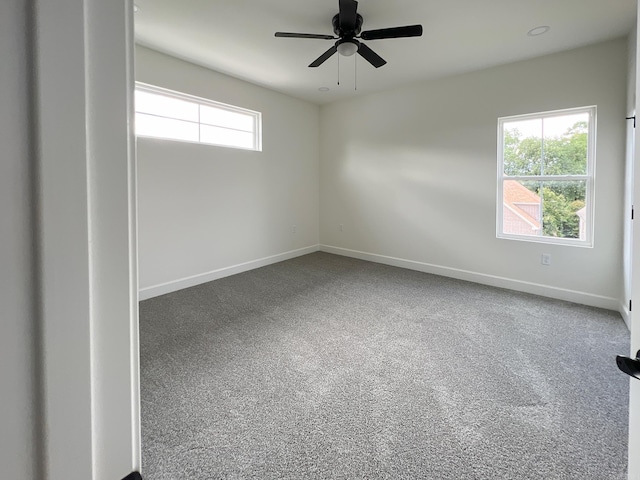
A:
[570,242]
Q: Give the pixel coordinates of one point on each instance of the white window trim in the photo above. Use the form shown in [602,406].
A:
[257,116]
[589,178]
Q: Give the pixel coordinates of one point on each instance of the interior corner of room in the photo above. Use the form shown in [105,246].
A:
[373,175]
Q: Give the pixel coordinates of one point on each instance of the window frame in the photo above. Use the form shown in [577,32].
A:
[588,178]
[200,101]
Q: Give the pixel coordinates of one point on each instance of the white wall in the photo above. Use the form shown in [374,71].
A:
[18,411]
[206,211]
[411,174]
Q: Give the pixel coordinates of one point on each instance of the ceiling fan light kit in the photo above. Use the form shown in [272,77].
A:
[348,47]
[347,25]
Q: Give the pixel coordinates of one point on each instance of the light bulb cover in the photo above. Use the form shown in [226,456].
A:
[347,48]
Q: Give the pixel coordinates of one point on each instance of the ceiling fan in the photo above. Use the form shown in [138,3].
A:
[347,25]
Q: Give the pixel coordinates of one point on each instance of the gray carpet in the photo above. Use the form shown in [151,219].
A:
[326,367]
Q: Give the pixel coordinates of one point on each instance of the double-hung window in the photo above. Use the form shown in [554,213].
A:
[546,164]
[163,113]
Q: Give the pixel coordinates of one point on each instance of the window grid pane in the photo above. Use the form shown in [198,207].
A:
[564,209]
[225,137]
[170,128]
[217,117]
[522,208]
[523,147]
[565,144]
[161,105]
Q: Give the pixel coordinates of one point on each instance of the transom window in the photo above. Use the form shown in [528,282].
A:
[163,113]
[546,175]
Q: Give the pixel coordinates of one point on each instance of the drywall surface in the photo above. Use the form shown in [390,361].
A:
[411,174]
[204,208]
[63,239]
[18,455]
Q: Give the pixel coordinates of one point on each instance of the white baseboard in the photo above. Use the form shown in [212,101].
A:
[492,280]
[625,313]
[175,285]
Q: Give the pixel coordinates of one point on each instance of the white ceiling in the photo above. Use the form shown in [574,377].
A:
[236,37]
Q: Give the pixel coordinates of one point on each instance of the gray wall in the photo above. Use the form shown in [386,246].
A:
[17,312]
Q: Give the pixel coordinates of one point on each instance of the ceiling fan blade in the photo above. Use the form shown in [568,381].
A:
[348,15]
[323,58]
[305,35]
[370,56]
[393,32]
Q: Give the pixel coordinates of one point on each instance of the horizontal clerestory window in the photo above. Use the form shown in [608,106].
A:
[171,115]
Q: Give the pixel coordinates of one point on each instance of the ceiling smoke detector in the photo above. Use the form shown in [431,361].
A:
[537,31]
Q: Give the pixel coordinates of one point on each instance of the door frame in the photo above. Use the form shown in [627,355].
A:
[83,65]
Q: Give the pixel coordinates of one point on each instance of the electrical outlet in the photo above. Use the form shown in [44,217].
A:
[294,229]
[341,227]
[546,259]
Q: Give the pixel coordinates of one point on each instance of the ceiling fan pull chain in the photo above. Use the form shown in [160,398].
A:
[355,74]
[338,69]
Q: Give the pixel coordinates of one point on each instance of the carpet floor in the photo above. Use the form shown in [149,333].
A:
[327,367]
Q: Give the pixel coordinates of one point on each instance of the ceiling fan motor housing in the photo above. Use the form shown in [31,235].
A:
[342,33]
